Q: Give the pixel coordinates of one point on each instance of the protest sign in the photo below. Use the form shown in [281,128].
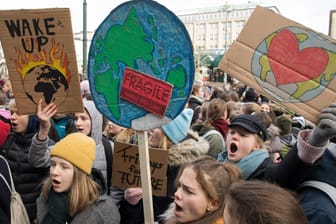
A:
[141,41]
[41,60]
[285,61]
[126,168]
[146,91]
[143,37]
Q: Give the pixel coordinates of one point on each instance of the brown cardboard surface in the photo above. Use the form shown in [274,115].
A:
[285,61]
[41,60]
[126,168]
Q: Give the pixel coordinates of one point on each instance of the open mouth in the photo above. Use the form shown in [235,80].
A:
[55,181]
[233,148]
[178,208]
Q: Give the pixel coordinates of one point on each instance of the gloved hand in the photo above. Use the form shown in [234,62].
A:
[325,128]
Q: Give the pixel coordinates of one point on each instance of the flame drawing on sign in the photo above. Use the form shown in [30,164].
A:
[55,58]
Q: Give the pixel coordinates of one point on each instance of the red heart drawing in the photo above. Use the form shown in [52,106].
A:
[291,65]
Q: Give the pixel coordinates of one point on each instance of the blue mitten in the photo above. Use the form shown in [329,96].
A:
[325,128]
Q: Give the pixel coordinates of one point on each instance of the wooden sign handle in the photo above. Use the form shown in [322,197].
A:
[145,177]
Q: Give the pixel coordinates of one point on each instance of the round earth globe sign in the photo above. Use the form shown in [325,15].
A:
[145,39]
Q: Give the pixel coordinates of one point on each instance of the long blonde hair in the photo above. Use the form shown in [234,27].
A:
[83,192]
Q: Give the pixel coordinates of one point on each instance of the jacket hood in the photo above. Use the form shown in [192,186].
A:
[168,216]
[187,150]
[33,124]
[96,121]
[202,128]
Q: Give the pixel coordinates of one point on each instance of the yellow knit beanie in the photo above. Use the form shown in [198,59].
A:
[78,149]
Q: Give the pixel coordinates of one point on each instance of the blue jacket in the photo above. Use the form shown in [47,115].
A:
[317,205]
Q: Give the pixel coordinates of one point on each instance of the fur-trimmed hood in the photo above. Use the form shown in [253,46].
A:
[187,150]
[168,216]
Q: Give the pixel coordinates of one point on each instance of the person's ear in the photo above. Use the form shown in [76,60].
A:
[213,205]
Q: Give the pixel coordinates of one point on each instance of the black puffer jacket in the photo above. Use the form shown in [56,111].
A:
[27,179]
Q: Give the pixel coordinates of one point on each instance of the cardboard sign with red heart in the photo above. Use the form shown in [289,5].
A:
[285,61]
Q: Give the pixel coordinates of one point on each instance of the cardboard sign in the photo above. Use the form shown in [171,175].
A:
[146,91]
[285,61]
[41,60]
[126,168]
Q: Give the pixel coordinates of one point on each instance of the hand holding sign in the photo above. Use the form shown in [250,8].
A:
[133,195]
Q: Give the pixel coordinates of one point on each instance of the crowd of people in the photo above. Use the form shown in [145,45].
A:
[234,156]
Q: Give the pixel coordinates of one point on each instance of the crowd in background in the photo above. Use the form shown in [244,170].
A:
[234,156]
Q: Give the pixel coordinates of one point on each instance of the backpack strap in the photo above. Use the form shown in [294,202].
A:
[10,186]
[109,160]
[322,186]
[6,120]
[214,132]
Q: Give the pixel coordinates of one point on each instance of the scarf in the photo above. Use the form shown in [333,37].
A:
[249,163]
[57,208]
[222,126]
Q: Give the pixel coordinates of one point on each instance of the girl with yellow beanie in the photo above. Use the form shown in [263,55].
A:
[69,194]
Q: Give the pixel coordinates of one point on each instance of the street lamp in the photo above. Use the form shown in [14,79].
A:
[84,71]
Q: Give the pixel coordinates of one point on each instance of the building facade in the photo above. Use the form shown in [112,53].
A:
[212,30]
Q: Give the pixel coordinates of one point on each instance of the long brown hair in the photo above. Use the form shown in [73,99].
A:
[83,192]
[216,110]
[215,179]
[260,202]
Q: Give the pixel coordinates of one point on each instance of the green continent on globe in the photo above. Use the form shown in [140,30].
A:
[122,43]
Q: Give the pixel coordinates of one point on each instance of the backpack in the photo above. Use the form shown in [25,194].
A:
[214,132]
[17,209]
[322,186]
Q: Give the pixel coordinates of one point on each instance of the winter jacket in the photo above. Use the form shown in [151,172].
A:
[65,123]
[317,205]
[290,173]
[5,194]
[4,125]
[27,178]
[214,138]
[103,211]
[179,154]
[195,104]
[287,142]
[170,218]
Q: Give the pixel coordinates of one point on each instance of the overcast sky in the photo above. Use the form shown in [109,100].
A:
[311,13]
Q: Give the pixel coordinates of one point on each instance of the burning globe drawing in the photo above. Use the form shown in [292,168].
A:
[45,75]
[46,82]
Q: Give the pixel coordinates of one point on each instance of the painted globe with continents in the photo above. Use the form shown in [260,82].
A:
[143,36]
[45,82]
[298,62]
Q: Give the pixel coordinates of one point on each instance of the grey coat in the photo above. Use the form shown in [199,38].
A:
[101,212]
